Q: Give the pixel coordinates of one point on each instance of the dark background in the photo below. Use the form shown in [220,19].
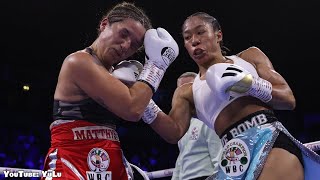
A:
[38,35]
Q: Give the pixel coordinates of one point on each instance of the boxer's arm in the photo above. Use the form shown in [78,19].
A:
[173,126]
[108,91]
[282,95]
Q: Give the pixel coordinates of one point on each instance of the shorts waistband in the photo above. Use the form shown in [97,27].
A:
[252,120]
[78,122]
[82,130]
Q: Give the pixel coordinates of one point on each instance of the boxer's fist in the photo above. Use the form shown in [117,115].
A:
[160,48]
[220,77]
[225,78]
[127,71]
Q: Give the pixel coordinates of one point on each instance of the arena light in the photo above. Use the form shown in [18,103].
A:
[25,87]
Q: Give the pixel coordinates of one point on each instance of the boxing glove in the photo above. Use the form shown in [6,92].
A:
[226,78]
[161,50]
[127,71]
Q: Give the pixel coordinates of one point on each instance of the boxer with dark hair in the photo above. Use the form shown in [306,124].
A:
[89,101]
[235,96]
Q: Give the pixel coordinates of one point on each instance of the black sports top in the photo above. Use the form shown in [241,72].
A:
[86,109]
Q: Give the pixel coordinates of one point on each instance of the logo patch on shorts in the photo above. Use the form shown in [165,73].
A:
[98,160]
[235,158]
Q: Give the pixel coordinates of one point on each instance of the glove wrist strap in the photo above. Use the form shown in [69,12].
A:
[151,112]
[151,75]
[261,89]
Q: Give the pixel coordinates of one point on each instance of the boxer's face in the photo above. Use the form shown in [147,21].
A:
[121,40]
[200,40]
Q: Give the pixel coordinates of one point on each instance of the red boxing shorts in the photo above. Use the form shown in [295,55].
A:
[83,150]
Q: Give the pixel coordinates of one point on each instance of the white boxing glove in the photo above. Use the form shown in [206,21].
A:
[127,71]
[161,50]
[226,78]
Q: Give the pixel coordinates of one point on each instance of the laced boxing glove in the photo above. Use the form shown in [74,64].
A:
[127,71]
[225,78]
[151,112]
[161,50]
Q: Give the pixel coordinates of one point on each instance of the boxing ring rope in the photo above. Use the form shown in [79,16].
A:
[315,146]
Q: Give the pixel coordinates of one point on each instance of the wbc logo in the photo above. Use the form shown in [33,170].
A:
[98,160]
[235,158]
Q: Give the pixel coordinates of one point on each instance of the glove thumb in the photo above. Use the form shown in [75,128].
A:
[163,34]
